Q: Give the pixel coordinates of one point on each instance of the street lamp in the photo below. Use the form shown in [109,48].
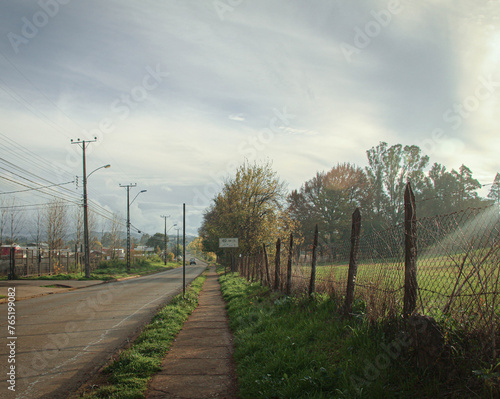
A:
[86,243]
[165,237]
[128,218]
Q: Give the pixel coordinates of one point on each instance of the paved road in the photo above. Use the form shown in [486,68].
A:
[62,339]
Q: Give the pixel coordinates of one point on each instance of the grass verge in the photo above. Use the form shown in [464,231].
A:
[288,347]
[127,376]
[110,270]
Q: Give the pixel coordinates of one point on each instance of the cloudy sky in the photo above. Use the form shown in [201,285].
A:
[178,93]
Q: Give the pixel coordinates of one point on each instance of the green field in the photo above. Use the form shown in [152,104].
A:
[466,285]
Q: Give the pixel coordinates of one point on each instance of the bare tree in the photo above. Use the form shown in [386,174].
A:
[78,218]
[15,220]
[93,230]
[55,223]
[36,234]
[114,233]
[4,211]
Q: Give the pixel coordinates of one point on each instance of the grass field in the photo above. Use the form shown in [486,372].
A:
[466,286]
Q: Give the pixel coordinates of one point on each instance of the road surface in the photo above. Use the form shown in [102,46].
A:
[60,340]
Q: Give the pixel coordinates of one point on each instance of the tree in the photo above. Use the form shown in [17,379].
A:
[144,238]
[494,193]
[78,218]
[388,170]
[466,195]
[113,238]
[5,208]
[15,219]
[329,199]
[38,225]
[55,223]
[250,207]
[446,192]
[157,240]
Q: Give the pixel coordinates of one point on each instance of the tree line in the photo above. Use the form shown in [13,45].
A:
[255,206]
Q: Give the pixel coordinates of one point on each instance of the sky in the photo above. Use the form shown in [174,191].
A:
[179,93]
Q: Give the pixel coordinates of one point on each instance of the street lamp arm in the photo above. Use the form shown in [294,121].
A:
[140,192]
[101,167]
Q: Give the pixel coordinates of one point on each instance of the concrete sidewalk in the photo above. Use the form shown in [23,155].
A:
[200,362]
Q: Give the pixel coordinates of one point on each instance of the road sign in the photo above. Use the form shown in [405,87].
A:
[228,243]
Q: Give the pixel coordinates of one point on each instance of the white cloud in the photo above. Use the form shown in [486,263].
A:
[225,80]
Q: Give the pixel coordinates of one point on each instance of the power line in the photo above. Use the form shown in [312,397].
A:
[31,189]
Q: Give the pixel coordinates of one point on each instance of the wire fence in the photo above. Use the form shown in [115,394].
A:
[41,262]
[446,267]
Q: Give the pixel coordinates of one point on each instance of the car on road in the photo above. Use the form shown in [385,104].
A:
[192,261]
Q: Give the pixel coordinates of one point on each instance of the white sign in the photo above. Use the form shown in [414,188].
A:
[228,243]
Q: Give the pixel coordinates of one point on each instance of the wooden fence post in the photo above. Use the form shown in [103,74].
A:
[289,267]
[277,261]
[411,286]
[353,261]
[12,264]
[312,283]
[266,261]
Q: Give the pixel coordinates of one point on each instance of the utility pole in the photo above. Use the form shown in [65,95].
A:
[128,217]
[84,144]
[128,222]
[183,250]
[165,239]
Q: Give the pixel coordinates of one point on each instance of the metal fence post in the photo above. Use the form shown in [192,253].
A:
[411,286]
[353,261]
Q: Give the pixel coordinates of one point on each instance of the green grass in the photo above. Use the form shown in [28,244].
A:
[289,347]
[109,270]
[127,377]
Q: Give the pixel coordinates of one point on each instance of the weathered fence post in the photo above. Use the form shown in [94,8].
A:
[289,267]
[12,264]
[27,261]
[39,262]
[353,261]
[312,283]
[411,287]
[277,261]
[266,261]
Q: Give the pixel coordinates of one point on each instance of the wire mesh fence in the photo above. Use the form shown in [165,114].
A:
[456,263]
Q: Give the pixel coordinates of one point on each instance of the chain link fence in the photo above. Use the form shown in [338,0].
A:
[455,277]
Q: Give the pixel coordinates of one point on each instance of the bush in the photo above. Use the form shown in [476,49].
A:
[112,264]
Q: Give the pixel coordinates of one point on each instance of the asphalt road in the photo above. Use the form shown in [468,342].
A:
[62,339]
